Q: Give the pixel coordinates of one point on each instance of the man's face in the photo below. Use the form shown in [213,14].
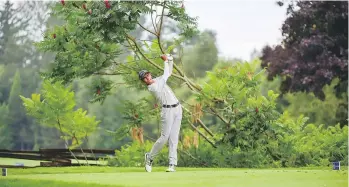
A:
[147,79]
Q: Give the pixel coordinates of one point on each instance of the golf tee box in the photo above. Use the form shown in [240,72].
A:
[4,171]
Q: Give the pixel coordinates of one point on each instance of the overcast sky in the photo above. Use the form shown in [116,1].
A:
[241,25]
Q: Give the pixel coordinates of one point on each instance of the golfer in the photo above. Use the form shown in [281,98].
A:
[171,114]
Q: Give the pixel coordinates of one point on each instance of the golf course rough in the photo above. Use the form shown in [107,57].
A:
[184,177]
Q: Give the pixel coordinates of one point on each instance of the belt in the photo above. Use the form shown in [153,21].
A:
[170,106]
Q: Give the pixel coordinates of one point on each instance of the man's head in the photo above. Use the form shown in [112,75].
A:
[145,76]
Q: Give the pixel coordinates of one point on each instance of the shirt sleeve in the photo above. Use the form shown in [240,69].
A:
[161,81]
[170,63]
[166,74]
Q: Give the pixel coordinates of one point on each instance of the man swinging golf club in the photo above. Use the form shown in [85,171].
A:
[171,114]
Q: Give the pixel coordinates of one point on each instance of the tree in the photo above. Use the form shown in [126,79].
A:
[202,56]
[11,37]
[14,101]
[314,50]
[320,112]
[5,129]
[21,133]
[56,109]
[89,44]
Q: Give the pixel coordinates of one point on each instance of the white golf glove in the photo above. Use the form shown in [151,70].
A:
[169,57]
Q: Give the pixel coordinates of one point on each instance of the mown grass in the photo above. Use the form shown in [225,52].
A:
[207,177]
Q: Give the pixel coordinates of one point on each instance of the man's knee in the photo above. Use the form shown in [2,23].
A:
[163,138]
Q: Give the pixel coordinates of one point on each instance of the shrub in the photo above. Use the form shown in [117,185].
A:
[132,155]
[298,144]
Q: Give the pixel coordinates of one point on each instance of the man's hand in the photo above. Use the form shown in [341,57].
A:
[164,57]
[167,57]
[168,65]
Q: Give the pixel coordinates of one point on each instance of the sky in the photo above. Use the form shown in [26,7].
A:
[241,25]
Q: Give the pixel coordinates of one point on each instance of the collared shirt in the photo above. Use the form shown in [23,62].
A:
[160,89]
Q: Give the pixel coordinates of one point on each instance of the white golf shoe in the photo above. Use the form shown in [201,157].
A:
[171,168]
[148,162]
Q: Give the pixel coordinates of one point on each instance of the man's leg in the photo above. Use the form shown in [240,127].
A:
[174,136]
[167,118]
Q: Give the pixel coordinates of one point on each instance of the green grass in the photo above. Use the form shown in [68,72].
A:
[184,177]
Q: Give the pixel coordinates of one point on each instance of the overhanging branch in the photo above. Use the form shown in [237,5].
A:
[201,123]
[160,28]
[206,138]
[181,73]
[147,29]
[219,116]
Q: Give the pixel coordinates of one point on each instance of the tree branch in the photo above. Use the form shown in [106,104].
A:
[135,45]
[152,20]
[91,150]
[147,29]
[181,73]
[201,123]
[105,73]
[81,149]
[65,141]
[220,117]
[205,127]
[206,138]
[160,28]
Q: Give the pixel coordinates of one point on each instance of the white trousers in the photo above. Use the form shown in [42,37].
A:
[171,119]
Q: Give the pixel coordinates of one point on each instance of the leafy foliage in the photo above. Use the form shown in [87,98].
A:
[135,114]
[298,144]
[314,49]
[232,94]
[56,109]
[307,144]
[90,40]
[318,111]
[132,155]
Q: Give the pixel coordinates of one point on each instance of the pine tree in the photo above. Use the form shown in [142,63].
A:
[6,138]
[11,37]
[5,132]
[17,118]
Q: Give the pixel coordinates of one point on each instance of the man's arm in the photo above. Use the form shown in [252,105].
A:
[170,62]
[167,73]
[168,66]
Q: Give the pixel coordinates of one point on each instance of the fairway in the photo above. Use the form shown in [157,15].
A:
[212,177]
